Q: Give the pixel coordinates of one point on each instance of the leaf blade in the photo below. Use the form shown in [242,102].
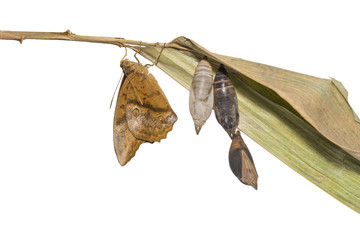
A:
[275,123]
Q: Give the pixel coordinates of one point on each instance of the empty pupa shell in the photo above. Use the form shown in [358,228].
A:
[201,97]
[225,102]
[241,162]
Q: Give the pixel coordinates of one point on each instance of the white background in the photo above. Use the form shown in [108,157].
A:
[59,176]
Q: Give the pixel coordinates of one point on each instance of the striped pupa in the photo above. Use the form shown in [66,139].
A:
[201,97]
[225,102]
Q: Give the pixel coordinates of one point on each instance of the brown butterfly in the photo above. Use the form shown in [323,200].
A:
[142,112]
[241,162]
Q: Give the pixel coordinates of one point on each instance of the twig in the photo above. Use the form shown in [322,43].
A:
[69,36]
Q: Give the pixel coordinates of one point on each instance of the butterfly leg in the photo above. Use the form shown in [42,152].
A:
[157,59]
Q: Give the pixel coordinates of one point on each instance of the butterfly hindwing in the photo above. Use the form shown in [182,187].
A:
[148,112]
[125,143]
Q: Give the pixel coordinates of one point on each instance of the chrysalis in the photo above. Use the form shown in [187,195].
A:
[225,102]
[241,162]
[201,97]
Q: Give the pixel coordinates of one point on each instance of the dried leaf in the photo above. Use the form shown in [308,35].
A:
[303,120]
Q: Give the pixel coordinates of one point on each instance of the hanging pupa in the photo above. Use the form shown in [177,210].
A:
[225,102]
[241,162]
[201,97]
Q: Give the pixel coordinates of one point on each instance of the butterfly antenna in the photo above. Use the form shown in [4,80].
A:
[112,99]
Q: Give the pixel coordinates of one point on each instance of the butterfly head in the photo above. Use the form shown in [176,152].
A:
[132,67]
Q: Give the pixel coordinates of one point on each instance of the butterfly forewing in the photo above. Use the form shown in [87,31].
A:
[249,174]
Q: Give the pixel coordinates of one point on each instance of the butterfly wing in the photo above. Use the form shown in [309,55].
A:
[125,143]
[249,174]
[148,112]
[142,111]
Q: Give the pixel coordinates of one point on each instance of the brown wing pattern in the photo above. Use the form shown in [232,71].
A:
[142,112]
[125,143]
[148,112]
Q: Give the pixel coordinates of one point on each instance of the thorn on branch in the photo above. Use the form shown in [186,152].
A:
[68,32]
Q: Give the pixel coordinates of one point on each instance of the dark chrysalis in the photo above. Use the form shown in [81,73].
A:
[225,102]
[241,162]
[227,114]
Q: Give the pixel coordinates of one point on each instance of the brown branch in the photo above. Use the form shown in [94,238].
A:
[69,36]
